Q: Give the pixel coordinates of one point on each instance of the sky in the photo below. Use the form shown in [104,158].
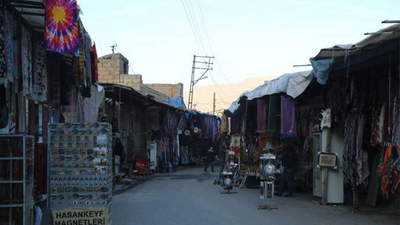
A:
[247,38]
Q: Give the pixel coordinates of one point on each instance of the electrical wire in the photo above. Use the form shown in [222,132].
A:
[192,27]
[194,19]
[205,28]
[217,85]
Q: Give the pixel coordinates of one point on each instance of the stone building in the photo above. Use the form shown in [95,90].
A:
[114,68]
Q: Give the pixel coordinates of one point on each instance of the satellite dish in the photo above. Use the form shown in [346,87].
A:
[196,130]
[187,132]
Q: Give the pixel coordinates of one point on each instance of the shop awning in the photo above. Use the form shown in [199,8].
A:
[323,61]
[293,84]
[33,11]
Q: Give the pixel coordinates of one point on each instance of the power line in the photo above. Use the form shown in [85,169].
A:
[194,19]
[217,86]
[205,27]
[191,27]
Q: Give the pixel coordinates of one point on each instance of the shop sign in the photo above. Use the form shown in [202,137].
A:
[327,160]
[80,217]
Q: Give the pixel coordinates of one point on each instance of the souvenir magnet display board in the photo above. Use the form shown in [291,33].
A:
[80,166]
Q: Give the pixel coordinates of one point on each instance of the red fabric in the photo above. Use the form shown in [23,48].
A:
[93,55]
[141,164]
[236,150]
[385,173]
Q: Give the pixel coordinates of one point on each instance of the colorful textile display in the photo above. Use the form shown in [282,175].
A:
[261,115]
[272,113]
[288,118]
[40,73]
[62,27]
[3,74]
[26,56]
[388,169]
[356,167]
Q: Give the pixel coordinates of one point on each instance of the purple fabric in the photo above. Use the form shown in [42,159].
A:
[235,125]
[261,115]
[288,121]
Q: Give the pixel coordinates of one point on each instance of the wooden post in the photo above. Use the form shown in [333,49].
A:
[325,181]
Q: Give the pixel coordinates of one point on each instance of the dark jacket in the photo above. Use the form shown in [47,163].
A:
[289,158]
[210,155]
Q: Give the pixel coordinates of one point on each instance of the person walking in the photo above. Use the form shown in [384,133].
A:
[210,158]
[287,177]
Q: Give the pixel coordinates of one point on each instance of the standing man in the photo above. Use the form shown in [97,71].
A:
[287,177]
[210,159]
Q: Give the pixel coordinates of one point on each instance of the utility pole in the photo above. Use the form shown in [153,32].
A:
[206,66]
[214,104]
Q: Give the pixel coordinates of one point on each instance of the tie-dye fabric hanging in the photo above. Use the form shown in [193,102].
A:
[62,26]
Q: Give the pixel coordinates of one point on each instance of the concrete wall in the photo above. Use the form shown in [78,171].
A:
[111,70]
[172,90]
[158,96]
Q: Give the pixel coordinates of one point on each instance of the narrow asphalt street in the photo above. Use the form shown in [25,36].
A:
[188,196]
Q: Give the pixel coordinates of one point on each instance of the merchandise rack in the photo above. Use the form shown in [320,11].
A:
[16,196]
[80,166]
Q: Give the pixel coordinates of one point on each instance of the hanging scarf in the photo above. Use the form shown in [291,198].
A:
[3,72]
[54,73]
[40,73]
[17,62]
[235,124]
[88,68]
[349,146]
[8,43]
[62,27]
[288,119]
[361,156]
[93,60]
[384,169]
[375,126]
[26,56]
[396,123]
[272,113]
[306,149]
[261,115]
[224,124]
